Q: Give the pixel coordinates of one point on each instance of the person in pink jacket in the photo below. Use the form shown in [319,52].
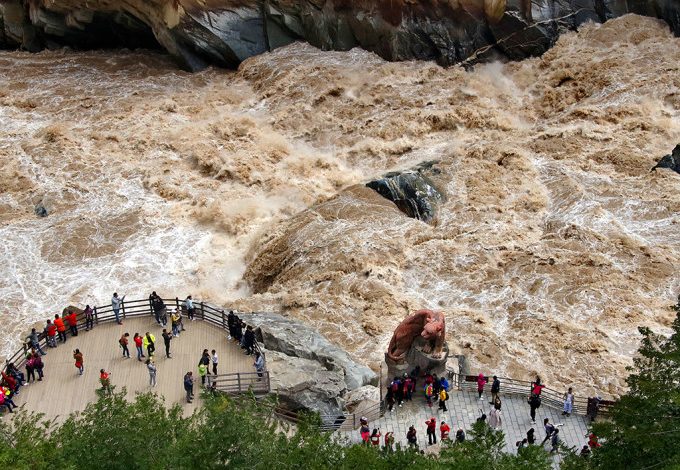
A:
[481,381]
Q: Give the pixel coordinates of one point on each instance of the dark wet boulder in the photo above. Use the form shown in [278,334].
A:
[40,210]
[414,193]
[672,161]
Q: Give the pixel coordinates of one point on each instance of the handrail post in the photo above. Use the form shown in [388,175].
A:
[202,311]
[96,316]
[224,321]
[238,377]
[122,304]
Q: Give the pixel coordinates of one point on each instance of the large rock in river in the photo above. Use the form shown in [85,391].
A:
[295,339]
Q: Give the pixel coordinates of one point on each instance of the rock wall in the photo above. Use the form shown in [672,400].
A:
[307,371]
[226,32]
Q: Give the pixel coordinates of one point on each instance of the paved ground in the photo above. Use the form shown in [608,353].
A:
[64,391]
[463,410]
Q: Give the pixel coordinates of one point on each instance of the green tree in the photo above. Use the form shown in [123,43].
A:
[644,428]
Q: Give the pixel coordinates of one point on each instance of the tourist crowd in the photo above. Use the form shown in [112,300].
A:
[57,330]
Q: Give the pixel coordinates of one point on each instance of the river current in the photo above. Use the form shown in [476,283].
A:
[554,244]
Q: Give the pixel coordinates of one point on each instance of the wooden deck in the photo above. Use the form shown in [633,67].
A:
[63,391]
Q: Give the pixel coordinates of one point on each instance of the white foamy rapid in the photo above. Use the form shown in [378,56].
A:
[555,242]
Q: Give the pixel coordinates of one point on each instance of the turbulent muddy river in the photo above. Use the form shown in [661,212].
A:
[555,241]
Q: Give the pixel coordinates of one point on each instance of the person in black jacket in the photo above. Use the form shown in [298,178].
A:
[249,337]
[534,404]
[495,389]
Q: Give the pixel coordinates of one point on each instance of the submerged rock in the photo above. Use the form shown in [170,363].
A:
[41,210]
[413,193]
[671,161]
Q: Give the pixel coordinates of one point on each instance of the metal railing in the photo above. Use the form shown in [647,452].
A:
[241,382]
[341,422]
[139,308]
[549,397]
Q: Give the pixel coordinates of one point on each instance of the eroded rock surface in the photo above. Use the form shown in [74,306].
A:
[226,32]
[297,340]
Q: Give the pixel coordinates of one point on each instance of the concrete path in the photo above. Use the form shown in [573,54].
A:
[463,410]
[64,391]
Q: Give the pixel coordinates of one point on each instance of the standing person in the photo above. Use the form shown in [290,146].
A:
[249,340]
[78,356]
[34,340]
[205,359]
[443,397]
[89,318]
[174,321]
[549,430]
[364,430]
[231,324]
[149,342]
[444,430]
[429,392]
[568,402]
[537,387]
[189,386]
[105,380]
[259,365]
[189,305]
[593,407]
[61,328]
[375,437]
[152,372]
[51,333]
[495,389]
[30,368]
[39,366]
[159,309]
[406,390]
[497,404]
[202,371]
[555,441]
[395,388]
[166,339]
[443,383]
[431,431]
[460,436]
[72,320]
[389,397]
[411,437]
[138,344]
[531,438]
[534,404]
[481,381]
[389,441]
[123,341]
[495,419]
[116,302]
[215,361]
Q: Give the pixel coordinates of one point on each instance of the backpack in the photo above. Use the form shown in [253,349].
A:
[428,390]
[395,386]
[443,396]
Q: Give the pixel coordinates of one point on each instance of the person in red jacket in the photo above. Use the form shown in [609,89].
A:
[481,381]
[444,429]
[431,431]
[61,328]
[72,320]
[138,344]
[51,332]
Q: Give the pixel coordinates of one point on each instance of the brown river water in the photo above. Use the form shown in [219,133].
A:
[554,244]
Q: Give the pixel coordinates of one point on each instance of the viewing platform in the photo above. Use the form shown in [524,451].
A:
[63,390]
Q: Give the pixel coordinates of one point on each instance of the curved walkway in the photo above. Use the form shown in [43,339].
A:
[463,410]
[63,391]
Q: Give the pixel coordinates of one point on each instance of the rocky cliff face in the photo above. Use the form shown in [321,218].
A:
[226,32]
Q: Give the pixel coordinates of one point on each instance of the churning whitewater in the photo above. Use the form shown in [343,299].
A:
[554,242]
